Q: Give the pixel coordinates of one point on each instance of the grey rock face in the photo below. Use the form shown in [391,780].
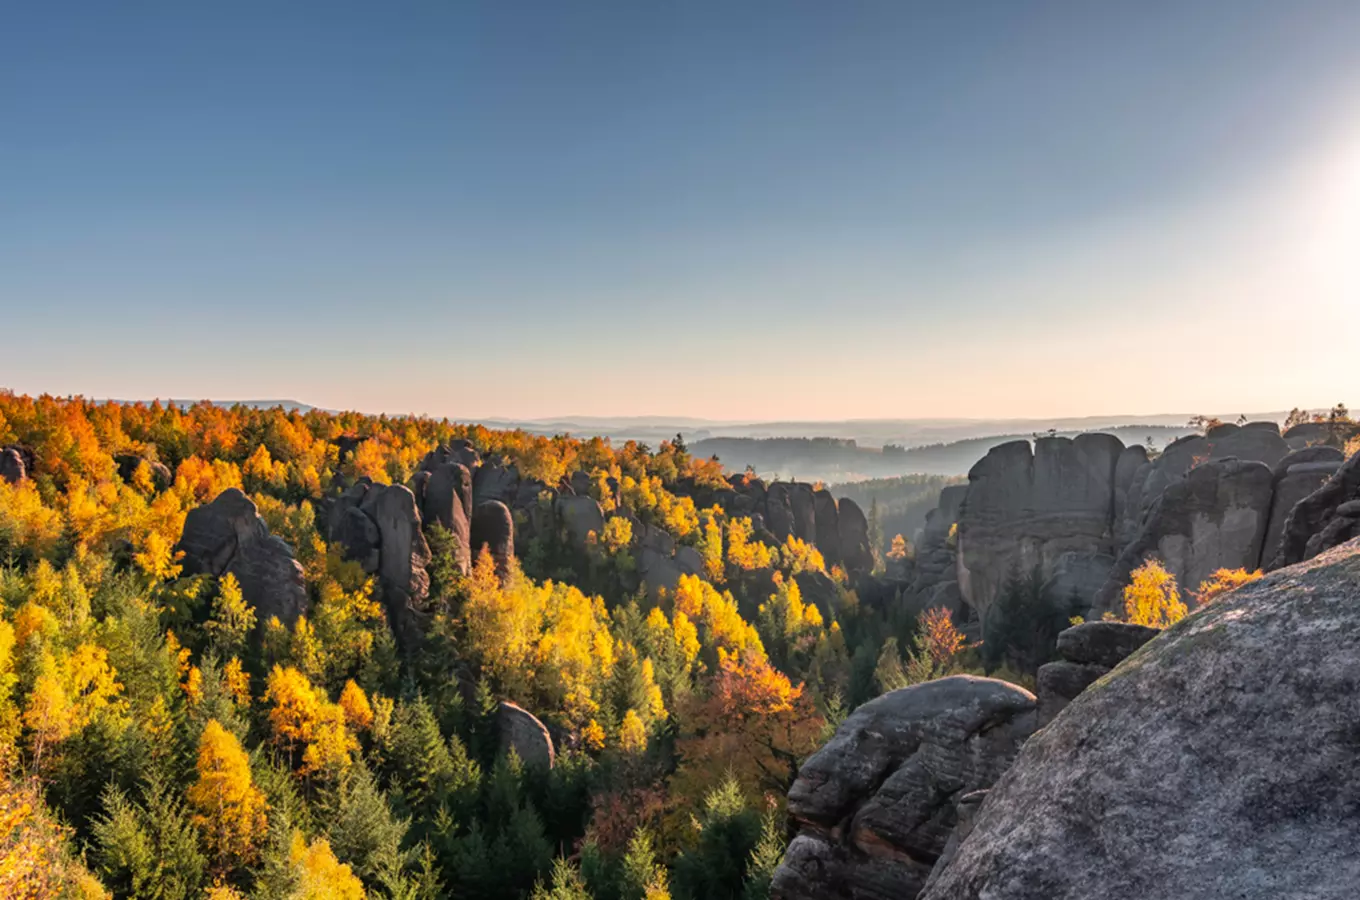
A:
[1059,683]
[12,466]
[1103,643]
[448,501]
[1218,762]
[1321,520]
[779,511]
[521,731]
[803,505]
[828,527]
[228,536]
[1257,441]
[1214,518]
[1027,509]
[856,552]
[876,805]
[494,481]
[403,557]
[493,530]
[1297,476]
[581,515]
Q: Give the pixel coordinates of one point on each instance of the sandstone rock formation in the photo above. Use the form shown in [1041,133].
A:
[493,530]
[228,536]
[1218,762]
[581,515]
[12,466]
[826,521]
[1027,509]
[448,501]
[1088,651]
[1327,517]
[779,511]
[1215,517]
[856,552]
[875,807]
[1296,476]
[521,731]
[403,556]
[494,481]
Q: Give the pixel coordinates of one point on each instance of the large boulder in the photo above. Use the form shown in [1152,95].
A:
[1214,518]
[1218,761]
[1027,509]
[876,805]
[494,481]
[779,511]
[828,526]
[404,554]
[1088,651]
[12,466]
[521,731]
[352,529]
[857,553]
[493,531]
[448,501]
[228,536]
[1323,519]
[1297,476]
[582,516]
[803,505]
[1255,441]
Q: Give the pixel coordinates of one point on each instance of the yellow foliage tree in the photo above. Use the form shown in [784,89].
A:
[1152,597]
[1225,581]
[320,876]
[358,711]
[228,808]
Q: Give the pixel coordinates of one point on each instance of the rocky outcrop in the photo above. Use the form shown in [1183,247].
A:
[1027,509]
[403,556]
[1218,761]
[493,531]
[1296,477]
[856,552]
[12,466]
[936,560]
[802,503]
[521,731]
[228,536]
[1088,652]
[494,481]
[582,516]
[875,807]
[779,511]
[1325,518]
[1312,434]
[447,500]
[1255,441]
[1214,518]
[827,519]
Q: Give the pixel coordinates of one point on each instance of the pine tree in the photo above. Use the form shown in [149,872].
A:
[765,858]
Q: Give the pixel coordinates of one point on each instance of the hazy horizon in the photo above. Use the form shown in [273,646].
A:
[768,212]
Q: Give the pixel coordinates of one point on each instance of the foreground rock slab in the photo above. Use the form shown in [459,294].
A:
[1218,761]
[876,805]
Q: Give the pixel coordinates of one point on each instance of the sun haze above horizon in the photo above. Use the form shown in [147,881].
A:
[768,211]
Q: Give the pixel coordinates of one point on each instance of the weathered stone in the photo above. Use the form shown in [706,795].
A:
[521,731]
[12,466]
[1027,509]
[856,551]
[1219,762]
[1310,434]
[779,511]
[493,530]
[1214,518]
[802,504]
[1309,529]
[581,515]
[129,463]
[828,526]
[689,561]
[1296,477]
[658,571]
[358,535]
[404,554]
[1131,461]
[1103,643]
[494,481]
[875,806]
[1059,683]
[448,496]
[228,536]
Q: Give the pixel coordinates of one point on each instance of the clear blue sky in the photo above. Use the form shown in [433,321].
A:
[733,210]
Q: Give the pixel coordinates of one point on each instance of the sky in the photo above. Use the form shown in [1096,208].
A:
[743,211]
